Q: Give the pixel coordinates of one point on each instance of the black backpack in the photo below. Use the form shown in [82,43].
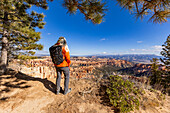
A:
[56,54]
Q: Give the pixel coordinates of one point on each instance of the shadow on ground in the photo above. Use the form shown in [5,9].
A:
[14,80]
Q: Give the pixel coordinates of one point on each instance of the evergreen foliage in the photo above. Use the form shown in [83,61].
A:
[155,77]
[166,61]
[123,95]
[18,29]
[166,53]
[158,9]
[92,9]
[20,25]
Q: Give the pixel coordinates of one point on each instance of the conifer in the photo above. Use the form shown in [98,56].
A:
[166,61]
[17,28]
[166,53]
[158,9]
[92,9]
[155,78]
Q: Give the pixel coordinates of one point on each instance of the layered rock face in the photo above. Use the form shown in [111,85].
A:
[81,67]
[140,69]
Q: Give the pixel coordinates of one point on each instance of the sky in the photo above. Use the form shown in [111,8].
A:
[120,33]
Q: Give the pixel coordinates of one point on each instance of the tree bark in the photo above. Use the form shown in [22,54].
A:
[4,50]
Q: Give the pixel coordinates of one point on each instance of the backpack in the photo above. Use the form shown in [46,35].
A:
[56,54]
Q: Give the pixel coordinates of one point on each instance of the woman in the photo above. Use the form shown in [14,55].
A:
[61,58]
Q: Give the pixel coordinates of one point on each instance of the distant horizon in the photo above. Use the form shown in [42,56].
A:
[99,55]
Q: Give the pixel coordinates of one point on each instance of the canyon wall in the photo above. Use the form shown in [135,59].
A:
[81,67]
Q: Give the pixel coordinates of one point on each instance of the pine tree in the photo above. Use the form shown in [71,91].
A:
[17,28]
[92,9]
[166,53]
[158,9]
[155,78]
[166,61]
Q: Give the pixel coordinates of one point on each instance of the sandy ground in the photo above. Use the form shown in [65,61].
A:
[20,93]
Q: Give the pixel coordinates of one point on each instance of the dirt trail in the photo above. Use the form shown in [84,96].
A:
[21,96]
[20,93]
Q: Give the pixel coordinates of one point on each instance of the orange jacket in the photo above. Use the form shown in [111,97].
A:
[66,57]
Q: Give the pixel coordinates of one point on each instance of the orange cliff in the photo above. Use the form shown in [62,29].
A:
[81,67]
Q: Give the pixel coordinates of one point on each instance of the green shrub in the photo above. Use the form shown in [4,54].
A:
[123,95]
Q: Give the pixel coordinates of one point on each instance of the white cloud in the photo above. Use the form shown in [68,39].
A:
[152,50]
[132,49]
[139,41]
[104,52]
[157,48]
[41,52]
[145,49]
[139,50]
[103,39]
[49,33]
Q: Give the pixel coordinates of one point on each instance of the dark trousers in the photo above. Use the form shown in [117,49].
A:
[65,70]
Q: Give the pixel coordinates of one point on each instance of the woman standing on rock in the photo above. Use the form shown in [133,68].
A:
[61,58]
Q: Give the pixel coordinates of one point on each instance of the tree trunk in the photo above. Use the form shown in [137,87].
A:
[4,50]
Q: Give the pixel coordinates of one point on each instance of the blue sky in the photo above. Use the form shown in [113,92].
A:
[120,33]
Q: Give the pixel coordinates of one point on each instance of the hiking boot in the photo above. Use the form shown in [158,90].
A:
[69,90]
[60,91]
[57,92]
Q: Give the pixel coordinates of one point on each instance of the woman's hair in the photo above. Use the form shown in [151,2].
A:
[62,41]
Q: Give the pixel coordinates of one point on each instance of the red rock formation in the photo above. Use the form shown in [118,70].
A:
[80,67]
